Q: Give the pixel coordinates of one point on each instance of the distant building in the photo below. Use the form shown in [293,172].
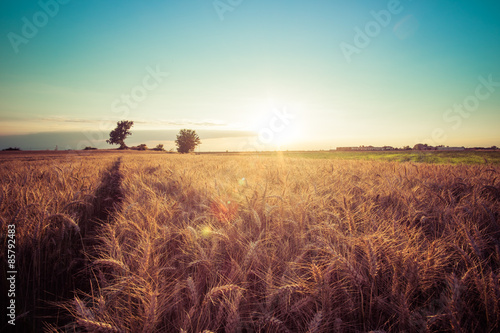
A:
[370,148]
[365,148]
[450,148]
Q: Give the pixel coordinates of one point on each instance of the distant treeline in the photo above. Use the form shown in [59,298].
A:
[418,146]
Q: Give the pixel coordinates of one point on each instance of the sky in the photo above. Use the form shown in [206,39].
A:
[250,74]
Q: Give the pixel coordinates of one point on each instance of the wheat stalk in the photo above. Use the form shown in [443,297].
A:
[216,292]
[118,265]
[192,288]
[97,326]
[315,323]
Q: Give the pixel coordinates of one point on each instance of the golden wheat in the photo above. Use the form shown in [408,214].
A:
[252,243]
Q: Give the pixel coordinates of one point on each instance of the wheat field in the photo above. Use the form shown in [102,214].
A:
[151,242]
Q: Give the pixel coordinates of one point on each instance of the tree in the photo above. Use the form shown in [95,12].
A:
[421,146]
[120,133]
[159,147]
[187,140]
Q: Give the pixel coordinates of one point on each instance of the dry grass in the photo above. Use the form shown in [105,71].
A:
[51,203]
[270,244]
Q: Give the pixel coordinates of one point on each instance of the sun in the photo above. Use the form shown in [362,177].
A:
[277,125]
[288,137]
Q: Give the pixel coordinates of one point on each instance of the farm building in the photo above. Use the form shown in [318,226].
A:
[451,148]
[365,148]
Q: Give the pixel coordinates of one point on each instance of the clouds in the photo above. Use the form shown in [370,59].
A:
[146,123]
[62,119]
[180,123]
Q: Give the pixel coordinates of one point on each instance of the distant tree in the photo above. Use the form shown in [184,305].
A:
[120,133]
[187,140]
[421,146]
[142,146]
[159,147]
[11,148]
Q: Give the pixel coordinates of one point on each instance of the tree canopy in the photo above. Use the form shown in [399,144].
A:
[187,140]
[120,133]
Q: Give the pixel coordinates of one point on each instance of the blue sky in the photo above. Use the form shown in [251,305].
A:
[296,74]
